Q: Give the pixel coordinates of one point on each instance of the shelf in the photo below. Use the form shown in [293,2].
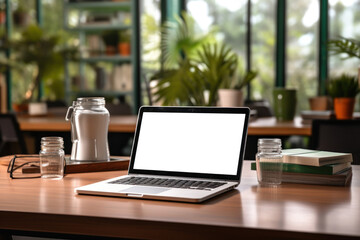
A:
[98,27]
[96,18]
[101,5]
[105,58]
[105,93]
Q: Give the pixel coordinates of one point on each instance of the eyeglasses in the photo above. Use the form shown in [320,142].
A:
[27,166]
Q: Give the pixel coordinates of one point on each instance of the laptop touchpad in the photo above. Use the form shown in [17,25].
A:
[144,190]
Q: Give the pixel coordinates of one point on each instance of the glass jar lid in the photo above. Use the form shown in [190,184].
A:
[90,101]
[52,142]
[269,142]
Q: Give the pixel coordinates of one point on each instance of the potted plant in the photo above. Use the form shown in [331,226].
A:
[320,103]
[196,81]
[193,66]
[111,40]
[124,47]
[343,90]
[230,93]
[21,16]
[43,53]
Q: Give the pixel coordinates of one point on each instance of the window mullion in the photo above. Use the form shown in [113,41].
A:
[323,53]
[280,63]
[248,46]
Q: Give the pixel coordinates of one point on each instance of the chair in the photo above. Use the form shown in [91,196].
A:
[337,136]
[10,133]
[262,107]
[121,108]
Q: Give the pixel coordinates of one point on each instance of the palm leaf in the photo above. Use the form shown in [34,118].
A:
[349,46]
[176,86]
[180,40]
[217,64]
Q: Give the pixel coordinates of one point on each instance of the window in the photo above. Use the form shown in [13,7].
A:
[150,38]
[344,20]
[301,48]
[263,48]
[228,16]
[150,34]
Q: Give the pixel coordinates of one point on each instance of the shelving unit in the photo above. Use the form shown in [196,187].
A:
[76,19]
[9,27]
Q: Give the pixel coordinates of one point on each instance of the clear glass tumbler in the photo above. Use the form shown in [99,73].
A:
[269,163]
[52,158]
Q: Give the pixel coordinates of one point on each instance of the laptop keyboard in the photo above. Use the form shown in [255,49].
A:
[169,183]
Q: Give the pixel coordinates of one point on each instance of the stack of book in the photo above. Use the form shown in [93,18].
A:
[308,116]
[315,167]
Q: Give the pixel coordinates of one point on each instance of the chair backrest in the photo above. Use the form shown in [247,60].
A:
[10,132]
[262,107]
[118,109]
[337,136]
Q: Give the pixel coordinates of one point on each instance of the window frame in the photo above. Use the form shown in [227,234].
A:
[171,7]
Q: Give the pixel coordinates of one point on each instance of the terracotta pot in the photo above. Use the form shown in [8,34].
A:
[20,107]
[344,108]
[37,108]
[2,17]
[21,19]
[320,103]
[124,48]
[110,50]
[230,98]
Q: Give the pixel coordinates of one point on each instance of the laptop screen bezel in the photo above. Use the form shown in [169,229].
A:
[220,110]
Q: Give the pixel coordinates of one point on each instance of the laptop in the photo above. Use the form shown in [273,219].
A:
[187,154]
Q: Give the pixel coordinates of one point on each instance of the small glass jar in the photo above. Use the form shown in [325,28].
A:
[269,163]
[52,158]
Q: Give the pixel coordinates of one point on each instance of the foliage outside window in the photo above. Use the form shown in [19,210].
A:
[302,40]
[302,49]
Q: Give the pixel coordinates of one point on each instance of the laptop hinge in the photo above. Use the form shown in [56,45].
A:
[182,177]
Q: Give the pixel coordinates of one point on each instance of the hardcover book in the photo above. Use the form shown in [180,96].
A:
[314,157]
[341,179]
[326,169]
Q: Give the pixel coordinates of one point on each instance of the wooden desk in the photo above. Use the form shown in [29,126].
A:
[125,124]
[269,126]
[288,212]
[261,126]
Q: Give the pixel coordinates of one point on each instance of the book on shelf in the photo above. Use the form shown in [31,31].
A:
[122,79]
[325,170]
[3,95]
[314,157]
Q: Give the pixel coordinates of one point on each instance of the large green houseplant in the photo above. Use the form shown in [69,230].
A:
[44,52]
[196,82]
[343,89]
[194,66]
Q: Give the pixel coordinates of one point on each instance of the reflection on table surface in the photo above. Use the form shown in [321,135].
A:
[260,126]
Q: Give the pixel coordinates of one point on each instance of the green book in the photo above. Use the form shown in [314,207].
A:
[326,169]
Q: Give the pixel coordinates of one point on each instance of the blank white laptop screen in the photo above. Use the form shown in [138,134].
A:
[190,142]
